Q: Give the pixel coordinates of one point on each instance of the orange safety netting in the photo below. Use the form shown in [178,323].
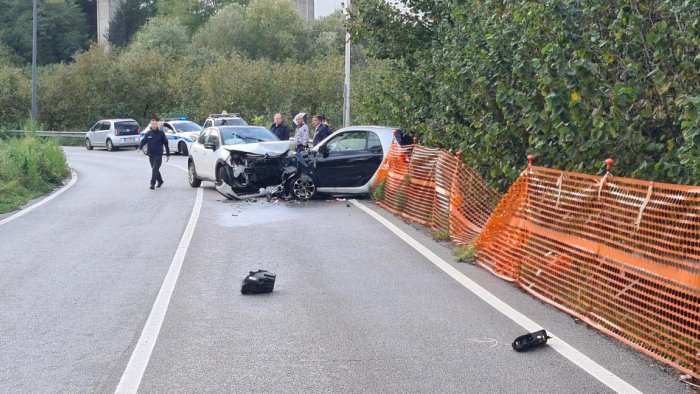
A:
[434,188]
[621,254]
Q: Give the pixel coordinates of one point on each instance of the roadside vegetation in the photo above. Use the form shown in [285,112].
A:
[29,167]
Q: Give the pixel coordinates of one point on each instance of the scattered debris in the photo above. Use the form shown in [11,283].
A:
[258,282]
[530,341]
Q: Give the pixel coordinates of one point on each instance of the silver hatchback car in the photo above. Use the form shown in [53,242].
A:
[113,134]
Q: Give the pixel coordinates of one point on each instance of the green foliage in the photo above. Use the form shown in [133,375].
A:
[465,254]
[441,235]
[572,82]
[379,190]
[265,29]
[60,30]
[129,18]
[29,167]
[15,95]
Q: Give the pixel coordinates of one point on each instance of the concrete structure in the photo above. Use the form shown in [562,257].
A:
[306,8]
[105,12]
[107,8]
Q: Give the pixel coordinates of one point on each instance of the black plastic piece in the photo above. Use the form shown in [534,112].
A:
[258,282]
[531,340]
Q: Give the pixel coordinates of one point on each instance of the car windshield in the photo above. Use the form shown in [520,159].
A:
[187,126]
[230,122]
[246,135]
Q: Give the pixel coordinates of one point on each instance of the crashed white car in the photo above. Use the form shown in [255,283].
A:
[242,161]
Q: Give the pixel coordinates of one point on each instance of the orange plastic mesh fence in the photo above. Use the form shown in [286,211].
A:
[621,254]
[434,188]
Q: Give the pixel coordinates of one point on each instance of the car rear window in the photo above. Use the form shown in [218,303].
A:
[127,128]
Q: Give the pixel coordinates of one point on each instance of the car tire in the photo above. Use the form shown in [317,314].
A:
[302,187]
[182,148]
[110,146]
[192,175]
[88,144]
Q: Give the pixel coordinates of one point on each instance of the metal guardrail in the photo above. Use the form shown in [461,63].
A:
[69,134]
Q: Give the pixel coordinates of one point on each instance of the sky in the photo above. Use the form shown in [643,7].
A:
[325,7]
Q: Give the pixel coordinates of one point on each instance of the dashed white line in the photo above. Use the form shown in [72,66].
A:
[572,354]
[131,378]
[74,178]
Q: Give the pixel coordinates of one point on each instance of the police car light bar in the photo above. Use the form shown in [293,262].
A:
[224,115]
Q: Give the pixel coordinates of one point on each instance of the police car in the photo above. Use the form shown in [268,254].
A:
[224,119]
[181,134]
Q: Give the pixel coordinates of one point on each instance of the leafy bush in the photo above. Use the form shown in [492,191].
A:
[29,167]
[571,81]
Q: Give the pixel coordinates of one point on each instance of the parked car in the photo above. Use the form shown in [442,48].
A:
[223,119]
[113,134]
[181,134]
[346,162]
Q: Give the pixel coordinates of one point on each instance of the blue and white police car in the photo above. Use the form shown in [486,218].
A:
[181,134]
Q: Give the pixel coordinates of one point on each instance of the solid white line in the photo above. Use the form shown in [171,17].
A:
[74,178]
[131,379]
[594,369]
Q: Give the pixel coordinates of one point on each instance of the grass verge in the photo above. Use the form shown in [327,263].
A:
[29,167]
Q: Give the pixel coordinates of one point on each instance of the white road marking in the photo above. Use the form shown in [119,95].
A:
[74,178]
[572,354]
[131,379]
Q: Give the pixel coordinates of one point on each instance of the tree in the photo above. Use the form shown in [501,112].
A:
[61,29]
[265,29]
[129,18]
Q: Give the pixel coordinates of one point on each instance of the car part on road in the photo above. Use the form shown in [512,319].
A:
[530,341]
[258,282]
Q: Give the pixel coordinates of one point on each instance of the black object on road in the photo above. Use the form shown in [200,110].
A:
[531,340]
[258,282]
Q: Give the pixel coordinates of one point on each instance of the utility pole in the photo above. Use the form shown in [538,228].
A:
[346,86]
[34,23]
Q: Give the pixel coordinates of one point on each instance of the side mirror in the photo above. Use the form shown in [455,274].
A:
[209,145]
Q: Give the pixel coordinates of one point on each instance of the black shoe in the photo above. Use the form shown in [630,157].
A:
[159,184]
[151,187]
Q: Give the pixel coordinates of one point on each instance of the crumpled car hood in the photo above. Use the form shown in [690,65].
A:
[270,148]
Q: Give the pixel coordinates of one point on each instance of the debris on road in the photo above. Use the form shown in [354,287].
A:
[258,282]
[530,341]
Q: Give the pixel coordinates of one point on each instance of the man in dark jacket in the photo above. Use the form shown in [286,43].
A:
[155,140]
[280,129]
[322,129]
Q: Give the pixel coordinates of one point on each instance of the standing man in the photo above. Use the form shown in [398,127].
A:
[301,137]
[280,129]
[155,140]
[322,129]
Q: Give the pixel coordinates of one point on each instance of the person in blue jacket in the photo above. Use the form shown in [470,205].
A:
[322,129]
[155,139]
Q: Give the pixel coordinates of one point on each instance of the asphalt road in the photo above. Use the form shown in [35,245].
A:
[355,308]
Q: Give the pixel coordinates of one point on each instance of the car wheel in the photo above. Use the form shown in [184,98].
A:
[192,176]
[182,148]
[302,187]
[110,146]
[88,144]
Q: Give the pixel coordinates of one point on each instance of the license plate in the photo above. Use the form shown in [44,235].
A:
[129,139]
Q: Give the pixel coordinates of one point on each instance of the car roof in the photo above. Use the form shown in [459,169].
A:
[116,120]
